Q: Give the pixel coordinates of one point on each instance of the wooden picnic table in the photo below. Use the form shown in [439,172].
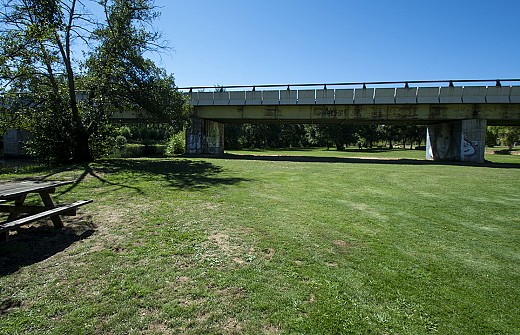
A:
[12,201]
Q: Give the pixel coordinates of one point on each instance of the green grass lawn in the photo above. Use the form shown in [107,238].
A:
[272,242]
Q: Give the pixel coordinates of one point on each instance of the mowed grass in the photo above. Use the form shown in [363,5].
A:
[306,242]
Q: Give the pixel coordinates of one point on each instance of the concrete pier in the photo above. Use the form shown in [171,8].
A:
[463,141]
[205,137]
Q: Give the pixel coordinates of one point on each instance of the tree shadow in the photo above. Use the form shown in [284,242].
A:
[179,173]
[352,160]
[34,243]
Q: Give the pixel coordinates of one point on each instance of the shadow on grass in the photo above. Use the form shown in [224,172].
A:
[308,149]
[35,243]
[178,172]
[352,160]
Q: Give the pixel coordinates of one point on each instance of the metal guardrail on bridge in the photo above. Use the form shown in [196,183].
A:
[498,93]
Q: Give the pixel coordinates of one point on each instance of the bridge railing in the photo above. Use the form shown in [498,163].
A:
[359,96]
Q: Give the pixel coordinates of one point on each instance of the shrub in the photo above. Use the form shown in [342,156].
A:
[125,131]
[140,150]
[177,144]
[121,141]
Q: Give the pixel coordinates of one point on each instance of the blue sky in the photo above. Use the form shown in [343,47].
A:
[244,42]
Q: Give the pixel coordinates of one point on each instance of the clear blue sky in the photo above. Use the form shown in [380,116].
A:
[249,42]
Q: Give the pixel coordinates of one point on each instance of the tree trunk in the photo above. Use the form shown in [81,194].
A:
[82,150]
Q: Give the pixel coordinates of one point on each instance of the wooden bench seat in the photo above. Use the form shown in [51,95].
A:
[64,209]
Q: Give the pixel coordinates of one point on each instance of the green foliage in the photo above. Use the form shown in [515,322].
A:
[177,144]
[148,133]
[492,136]
[51,140]
[120,77]
[40,75]
[502,135]
[338,135]
[121,141]
[134,150]
[125,131]
[511,136]
[265,136]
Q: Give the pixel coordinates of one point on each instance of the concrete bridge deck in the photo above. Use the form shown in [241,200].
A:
[456,116]
[424,105]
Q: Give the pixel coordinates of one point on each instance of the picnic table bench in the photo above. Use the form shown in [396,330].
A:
[21,214]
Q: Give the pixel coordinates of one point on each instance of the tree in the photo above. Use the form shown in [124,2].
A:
[334,134]
[119,75]
[390,134]
[511,135]
[492,135]
[38,58]
[503,135]
[370,133]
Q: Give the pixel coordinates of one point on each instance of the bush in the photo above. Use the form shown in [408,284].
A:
[121,141]
[140,150]
[177,144]
[125,131]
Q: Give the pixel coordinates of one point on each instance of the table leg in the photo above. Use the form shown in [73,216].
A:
[18,202]
[56,220]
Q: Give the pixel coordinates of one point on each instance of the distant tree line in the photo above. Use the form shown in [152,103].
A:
[339,136]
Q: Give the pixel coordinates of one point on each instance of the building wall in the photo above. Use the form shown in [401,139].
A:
[14,140]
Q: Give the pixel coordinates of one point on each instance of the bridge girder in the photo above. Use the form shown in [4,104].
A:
[424,114]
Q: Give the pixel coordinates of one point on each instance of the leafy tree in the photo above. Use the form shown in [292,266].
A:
[492,135]
[233,133]
[38,59]
[503,135]
[338,135]
[391,134]
[511,135]
[414,133]
[370,134]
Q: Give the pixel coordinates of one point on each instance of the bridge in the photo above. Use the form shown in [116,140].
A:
[455,111]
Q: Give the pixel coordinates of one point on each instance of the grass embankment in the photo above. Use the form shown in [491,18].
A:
[273,245]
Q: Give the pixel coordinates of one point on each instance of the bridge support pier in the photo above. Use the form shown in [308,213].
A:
[457,141]
[205,137]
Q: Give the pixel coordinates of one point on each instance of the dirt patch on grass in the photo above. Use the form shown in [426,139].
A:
[222,250]
[232,326]
[183,280]
[268,253]
[342,246]
[159,328]
[113,224]
[231,293]
[222,241]
[271,330]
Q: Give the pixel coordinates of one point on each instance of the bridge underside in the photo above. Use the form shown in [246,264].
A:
[424,114]
[456,132]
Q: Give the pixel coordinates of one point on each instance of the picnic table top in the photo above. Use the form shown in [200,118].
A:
[14,189]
